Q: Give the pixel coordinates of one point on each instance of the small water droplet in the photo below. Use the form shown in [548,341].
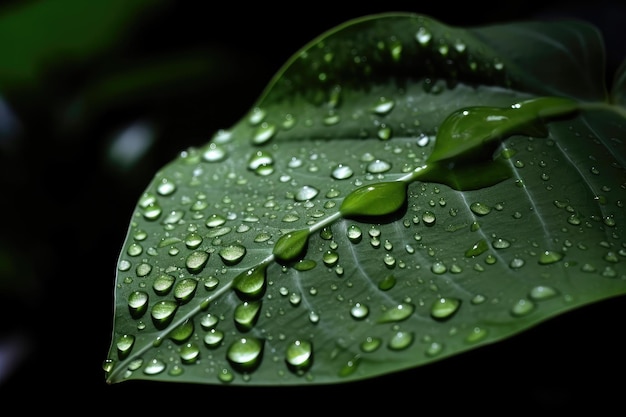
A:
[213,338]
[264,133]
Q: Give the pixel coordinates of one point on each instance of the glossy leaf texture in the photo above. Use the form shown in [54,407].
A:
[317,241]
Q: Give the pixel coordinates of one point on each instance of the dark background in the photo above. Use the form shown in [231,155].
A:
[194,68]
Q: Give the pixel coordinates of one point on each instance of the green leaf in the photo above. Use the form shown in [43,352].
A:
[403,191]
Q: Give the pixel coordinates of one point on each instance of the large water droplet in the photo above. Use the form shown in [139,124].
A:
[251,284]
[378,199]
[245,354]
[299,355]
[306,193]
[246,314]
[444,308]
[342,172]
[153,367]
[185,290]
[163,312]
[182,332]
[400,340]
[196,261]
[137,303]
[291,246]
[359,311]
[232,254]
[550,257]
[125,345]
[397,313]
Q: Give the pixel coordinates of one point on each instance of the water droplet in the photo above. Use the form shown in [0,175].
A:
[378,166]
[330,258]
[215,220]
[153,367]
[342,172]
[299,355]
[429,218]
[542,292]
[305,265]
[264,133]
[143,269]
[232,254]
[182,332]
[476,335]
[291,246]
[434,349]
[400,340]
[550,257]
[480,209]
[439,268]
[370,344]
[213,338]
[214,153]
[359,311]
[125,345]
[260,159]
[397,313]
[193,240]
[423,36]
[196,261]
[387,283]
[444,308]
[522,307]
[306,193]
[189,353]
[375,200]
[245,354]
[350,367]
[209,321]
[251,284]
[246,314]
[185,290]
[354,233]
[163,312]
[137,303]
[500,243]
[383,106]
[516,263]
[477,248]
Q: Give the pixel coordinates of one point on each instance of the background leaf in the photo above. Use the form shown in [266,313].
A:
[451,272]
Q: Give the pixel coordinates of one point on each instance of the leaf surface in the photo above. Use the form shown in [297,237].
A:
[346,228]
